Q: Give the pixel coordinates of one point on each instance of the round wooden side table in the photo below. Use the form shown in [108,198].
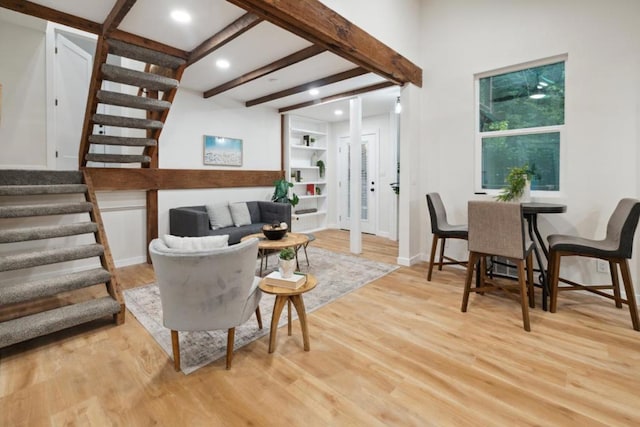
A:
[285,295]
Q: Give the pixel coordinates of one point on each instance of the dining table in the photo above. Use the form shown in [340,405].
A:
[531,210]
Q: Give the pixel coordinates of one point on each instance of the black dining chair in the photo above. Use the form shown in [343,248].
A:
[497,229]
[616,248]
[442,231]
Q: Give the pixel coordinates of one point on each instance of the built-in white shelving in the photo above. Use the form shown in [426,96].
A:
[305,144]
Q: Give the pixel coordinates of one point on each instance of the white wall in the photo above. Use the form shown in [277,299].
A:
[381,126]
[22,75]
[462,38]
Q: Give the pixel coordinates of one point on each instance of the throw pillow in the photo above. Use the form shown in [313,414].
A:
[196,243]
[240,214]
[219,216]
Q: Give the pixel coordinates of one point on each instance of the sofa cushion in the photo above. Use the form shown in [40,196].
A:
[240,214]
[219,216]
[254,210]
[196,243]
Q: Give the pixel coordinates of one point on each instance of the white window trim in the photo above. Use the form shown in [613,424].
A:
[524,131]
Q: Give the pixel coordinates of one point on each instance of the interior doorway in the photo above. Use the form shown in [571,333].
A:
[70,53]
[369,183]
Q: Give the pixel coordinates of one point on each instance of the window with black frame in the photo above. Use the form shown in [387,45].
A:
[521,122]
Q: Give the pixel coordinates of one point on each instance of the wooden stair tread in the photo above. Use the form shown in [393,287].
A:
[46,322]
[23,211]
[126,122]
[136,78]
[132,101]
[117,158]
[20,292]
[49,256]
[124,141]
[30,190]
[143,54]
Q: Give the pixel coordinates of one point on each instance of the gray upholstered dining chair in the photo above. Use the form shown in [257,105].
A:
[616,248]
[204,290]
[497,229]
[442,231]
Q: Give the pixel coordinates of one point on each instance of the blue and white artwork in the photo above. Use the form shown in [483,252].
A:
[222,151]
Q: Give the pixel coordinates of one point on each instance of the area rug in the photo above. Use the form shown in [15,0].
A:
[337,274]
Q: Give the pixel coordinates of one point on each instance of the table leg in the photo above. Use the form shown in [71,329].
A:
[277,311]
[289,316]
[302,315]
[534,235]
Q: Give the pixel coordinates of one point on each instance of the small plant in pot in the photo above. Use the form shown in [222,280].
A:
[518,184]
[287,262]
[320,165]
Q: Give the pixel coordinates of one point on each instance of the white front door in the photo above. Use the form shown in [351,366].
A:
[72,74]
[369,180]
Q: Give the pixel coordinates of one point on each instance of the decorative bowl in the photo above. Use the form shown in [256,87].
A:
[274,232]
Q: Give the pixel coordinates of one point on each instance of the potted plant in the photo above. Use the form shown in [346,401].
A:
[320,165]
[518,184]
[281,192]
[287,262]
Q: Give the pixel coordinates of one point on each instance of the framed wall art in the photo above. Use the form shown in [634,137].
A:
[222,151]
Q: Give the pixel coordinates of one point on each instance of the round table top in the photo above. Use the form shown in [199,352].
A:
[290,239]
[542,208]
[276,290]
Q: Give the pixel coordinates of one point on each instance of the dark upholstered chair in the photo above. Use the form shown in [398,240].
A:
[442,231]
[497,229]
[616,248]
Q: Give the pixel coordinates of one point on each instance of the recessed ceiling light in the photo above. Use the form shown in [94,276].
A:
[314,92]
[338,112]
[181,16]
[223,63]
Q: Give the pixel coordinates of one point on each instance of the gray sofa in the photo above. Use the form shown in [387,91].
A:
[193,221]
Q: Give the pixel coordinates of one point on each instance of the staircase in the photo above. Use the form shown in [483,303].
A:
[39,226]
[145,100]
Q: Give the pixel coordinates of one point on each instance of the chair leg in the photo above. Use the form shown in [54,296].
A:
[442,245]
[530,285]
[631,297]
[613,269]
[434,246]
[473,257]
[523,295]
[554,277]
[231,334]
[259,317]
[176,349]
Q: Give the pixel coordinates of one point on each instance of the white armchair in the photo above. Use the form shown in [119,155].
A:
[204,290]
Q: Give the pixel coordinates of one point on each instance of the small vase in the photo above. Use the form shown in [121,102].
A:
[526,193]
[287,267]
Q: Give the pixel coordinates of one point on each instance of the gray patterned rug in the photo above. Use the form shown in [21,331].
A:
[337,274]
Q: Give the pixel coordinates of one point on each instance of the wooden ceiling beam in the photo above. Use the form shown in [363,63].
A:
[267,69]
[114,179]
[224,36]
[117,14]
[355,72]
[148,43]
[337,96]
[48,14]
[313,21]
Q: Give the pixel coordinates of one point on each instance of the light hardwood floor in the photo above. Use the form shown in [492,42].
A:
[395,352]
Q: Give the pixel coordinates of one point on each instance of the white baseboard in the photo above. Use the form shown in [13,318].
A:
[130,261]
[407,262]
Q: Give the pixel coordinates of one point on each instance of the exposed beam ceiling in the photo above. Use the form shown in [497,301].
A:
[322,26]
[308,86]
[267,69]
[230,32]
[337,96]
[118,12]
[52,15]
